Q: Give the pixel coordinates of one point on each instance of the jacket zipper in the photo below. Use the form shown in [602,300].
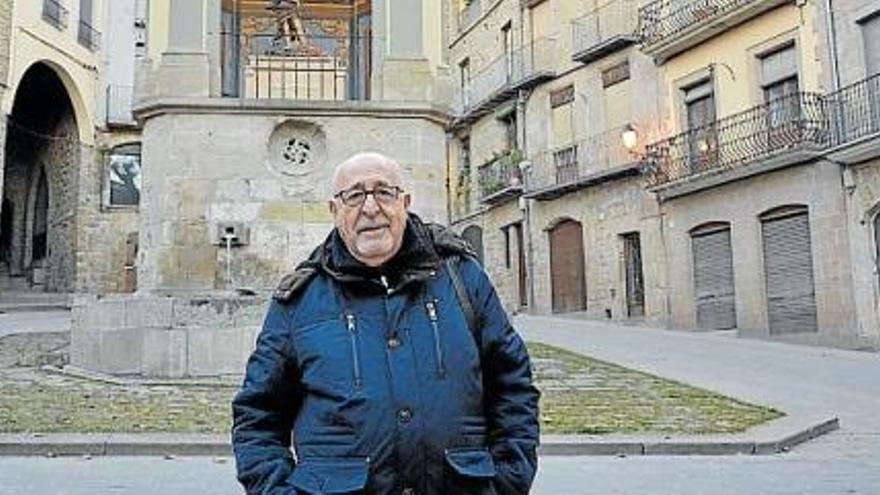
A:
[352,333]
[432,315]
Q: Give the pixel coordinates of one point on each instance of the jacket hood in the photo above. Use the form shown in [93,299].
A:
[424,246]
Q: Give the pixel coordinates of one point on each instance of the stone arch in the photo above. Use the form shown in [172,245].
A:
[473,234]
[43,143]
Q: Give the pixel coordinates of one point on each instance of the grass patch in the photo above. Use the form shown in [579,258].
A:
[588,396]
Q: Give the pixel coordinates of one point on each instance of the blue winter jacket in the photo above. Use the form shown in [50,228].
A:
[380,381]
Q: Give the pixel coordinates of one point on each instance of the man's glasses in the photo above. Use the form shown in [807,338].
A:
[384,195]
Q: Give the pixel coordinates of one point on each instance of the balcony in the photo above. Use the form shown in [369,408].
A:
[469,14]
[55,14]
[607,29]
[313,67]
[782,132]
[88,36]
[500,178]
[524,68]
[669,27]
[597,159]
[855,121]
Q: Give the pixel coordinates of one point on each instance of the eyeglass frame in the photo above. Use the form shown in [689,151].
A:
[367,192]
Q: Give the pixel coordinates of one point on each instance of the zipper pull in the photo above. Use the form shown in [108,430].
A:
[432,310]
[350,319]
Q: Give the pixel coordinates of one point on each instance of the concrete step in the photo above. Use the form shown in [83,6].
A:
[34,301]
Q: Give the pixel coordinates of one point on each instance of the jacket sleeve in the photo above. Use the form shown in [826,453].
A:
[511,400]
[264,410]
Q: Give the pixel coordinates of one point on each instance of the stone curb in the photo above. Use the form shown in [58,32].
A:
[51,445]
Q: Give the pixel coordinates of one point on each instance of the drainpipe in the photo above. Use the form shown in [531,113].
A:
[832,45]
[526,171]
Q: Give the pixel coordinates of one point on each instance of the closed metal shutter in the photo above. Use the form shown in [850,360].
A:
[713,278]
[788,271]
[567,267]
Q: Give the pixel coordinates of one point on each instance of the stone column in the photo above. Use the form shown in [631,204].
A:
[184,69]
[406,48]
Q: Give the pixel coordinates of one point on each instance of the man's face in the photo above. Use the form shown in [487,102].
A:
[373,230]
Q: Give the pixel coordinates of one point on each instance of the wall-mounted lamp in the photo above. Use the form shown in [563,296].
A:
[630,137]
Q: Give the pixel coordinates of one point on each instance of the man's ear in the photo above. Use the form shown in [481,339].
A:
[407,200]
[331,205]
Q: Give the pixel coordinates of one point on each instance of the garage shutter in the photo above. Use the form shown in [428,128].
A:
[713,278]
[788,272]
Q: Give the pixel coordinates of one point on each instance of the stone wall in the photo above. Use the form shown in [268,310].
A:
[863,208]
[605,212]
[268,174]
[102,230]
[817,185]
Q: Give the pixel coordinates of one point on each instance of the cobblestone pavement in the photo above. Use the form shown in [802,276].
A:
[580,395]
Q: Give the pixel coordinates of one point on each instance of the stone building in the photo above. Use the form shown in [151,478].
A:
[545,179]
[245,107]
[62,230]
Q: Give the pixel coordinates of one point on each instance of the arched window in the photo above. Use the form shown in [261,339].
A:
[123,182]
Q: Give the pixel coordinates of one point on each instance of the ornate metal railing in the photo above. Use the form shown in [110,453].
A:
[855,110]
[502,173]
[469,14]
[534,58]
[614,19]
[259,65]
[796,121]
[88,36]
[508,70]
[663,19]
[568,164]
[54,13]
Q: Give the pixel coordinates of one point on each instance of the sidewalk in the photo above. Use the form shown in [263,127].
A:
[813,386]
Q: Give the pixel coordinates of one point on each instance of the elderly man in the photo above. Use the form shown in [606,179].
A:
[389,357]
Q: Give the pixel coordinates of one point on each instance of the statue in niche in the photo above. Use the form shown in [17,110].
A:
[290,32]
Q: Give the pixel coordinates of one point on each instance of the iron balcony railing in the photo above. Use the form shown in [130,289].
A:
[855,111]
[118,105]
[615,21]
[795,122]
[54,13]
[500,176]
[88,36]
[570,163]
[508,71]
[262,66]
[469,14]
[662,20]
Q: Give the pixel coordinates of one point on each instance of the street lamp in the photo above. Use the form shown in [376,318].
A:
[630,137]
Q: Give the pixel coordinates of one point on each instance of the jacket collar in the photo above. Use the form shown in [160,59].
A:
[423,248]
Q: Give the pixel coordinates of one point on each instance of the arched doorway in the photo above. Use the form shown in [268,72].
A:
[40,183]
[569,291]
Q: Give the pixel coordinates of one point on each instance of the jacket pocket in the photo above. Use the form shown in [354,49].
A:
[469,471]
[331,475]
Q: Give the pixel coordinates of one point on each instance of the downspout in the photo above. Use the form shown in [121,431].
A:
[526,170]
[832,45]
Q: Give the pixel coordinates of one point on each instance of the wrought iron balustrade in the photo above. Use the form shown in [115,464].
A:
[88,36]
[500,176]
[499,80]
[794,122]
[855,111]
[605,28]
[260,65]
[54,13]
[662,20]
[570,163]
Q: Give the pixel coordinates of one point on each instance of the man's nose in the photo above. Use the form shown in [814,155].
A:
[370,206]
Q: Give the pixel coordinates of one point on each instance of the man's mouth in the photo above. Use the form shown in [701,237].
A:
[371,228]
